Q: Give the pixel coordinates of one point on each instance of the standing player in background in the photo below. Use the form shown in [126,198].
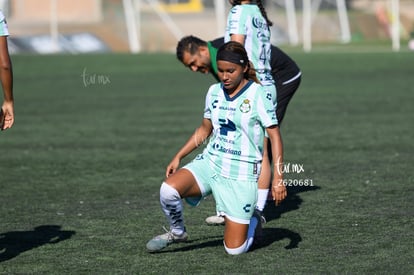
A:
[237,114]
[6,78]
[199,56]
[248,24]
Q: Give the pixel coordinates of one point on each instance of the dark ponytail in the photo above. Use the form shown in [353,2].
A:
[263,11]
[259,3]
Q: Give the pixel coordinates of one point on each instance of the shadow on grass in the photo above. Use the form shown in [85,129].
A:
[15,242]
[292,202]
[216,241]
[271,235]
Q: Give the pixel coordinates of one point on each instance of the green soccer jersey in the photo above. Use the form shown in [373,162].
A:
[247,20]
[236,144]
[213,55]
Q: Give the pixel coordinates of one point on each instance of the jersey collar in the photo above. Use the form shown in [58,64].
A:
[245,87]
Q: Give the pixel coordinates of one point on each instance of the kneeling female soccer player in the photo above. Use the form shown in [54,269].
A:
[237,114]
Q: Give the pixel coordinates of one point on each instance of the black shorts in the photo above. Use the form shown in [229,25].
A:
[284,95]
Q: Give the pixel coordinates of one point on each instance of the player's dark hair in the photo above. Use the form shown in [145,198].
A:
[189,44]
[231,49]
[259,3]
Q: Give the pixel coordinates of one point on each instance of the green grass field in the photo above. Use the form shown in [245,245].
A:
[81,168]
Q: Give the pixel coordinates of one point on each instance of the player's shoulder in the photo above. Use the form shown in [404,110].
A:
[214,88]
[255,86]
[239,9]
[2,17]
[235,8]
[254,89]
[244,8]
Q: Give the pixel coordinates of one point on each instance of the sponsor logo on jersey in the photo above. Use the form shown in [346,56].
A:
[214,104]
[222,149]
[226,125]
[227,108]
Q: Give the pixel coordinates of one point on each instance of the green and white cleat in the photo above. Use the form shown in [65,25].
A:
[162,241]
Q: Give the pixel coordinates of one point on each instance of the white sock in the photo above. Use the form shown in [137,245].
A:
[172,206]
[238,250]
[261,199]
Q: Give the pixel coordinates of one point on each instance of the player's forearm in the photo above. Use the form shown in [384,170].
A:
[6,71]
[277,152]
[238,38]
[6,77]
[197,138]
[186,149]
[279,191]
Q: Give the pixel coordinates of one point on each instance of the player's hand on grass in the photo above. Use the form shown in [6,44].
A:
[279,191]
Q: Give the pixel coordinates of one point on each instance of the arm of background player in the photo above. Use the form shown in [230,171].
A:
[238,38]
[6,78]
[279,192]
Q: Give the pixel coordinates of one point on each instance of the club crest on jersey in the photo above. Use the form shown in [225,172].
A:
[245,106]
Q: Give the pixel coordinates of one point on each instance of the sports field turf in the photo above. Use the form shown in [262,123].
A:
[81,168]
